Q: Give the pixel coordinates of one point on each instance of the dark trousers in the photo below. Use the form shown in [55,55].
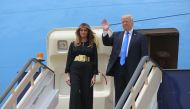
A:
[121,79]
[81,94]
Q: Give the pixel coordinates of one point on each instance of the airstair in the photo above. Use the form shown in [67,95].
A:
[35,83]
[141,92]
[33,88]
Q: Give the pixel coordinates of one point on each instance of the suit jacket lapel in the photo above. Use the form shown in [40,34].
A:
[132,40]
[120,40]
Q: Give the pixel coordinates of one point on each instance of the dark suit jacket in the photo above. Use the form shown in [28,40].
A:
[137,49]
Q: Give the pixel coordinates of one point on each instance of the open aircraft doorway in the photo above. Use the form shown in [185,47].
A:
[163,46]
[57,48]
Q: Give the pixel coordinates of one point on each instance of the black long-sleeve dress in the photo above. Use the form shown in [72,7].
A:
[81,73]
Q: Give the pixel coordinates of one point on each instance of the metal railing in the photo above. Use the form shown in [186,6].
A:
[134,79]
[20,75]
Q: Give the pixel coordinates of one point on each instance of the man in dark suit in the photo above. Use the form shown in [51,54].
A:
[128,47]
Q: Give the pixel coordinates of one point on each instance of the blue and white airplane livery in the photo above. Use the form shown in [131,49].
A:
[161,81]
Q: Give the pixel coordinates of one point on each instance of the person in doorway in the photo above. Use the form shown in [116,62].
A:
[128,47]
[82,68]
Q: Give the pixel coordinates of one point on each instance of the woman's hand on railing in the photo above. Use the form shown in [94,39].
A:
[68,79]
[93,80]
[104,76]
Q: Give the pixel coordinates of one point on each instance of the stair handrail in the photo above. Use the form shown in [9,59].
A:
[132,82]
[19,75]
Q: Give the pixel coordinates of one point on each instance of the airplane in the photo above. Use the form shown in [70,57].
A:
[26,26]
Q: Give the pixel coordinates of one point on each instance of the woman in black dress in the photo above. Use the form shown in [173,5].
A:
[82,68]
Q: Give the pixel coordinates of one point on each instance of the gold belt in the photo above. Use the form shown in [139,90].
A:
[82,58]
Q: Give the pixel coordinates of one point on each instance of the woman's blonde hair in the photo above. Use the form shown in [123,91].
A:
[90,36]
